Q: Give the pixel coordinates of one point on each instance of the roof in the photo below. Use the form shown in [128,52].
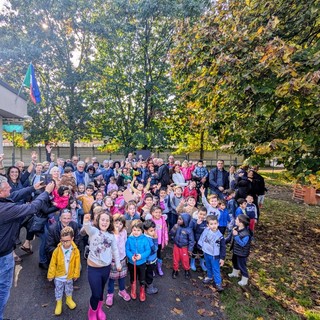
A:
[5,85]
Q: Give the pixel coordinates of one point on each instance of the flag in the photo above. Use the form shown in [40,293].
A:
[30,82]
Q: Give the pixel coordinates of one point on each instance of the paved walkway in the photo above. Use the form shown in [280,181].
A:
[32,296]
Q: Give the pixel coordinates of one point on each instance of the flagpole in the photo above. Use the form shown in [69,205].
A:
[22,85]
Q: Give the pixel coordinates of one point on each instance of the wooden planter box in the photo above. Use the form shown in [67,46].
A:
[306,194]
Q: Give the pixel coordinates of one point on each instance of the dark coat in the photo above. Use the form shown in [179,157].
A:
[213,176]
[163,175]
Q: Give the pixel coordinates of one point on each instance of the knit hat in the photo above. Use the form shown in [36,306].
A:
[243,218]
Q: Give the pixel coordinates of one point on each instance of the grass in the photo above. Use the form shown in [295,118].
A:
[284,266]
[276,177]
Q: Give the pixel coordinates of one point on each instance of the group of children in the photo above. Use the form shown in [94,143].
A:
[130,236]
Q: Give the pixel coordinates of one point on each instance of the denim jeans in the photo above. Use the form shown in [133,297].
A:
[6,277]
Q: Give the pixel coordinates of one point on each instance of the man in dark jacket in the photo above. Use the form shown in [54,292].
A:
[10,218]
[218,179]
[163,176]
[53,238]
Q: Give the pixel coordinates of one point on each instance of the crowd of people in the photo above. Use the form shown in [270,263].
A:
[121,215]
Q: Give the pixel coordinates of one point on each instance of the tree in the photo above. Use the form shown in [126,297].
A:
[252,67]
[52,34]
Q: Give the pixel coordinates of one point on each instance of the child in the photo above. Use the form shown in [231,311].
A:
[188,206]
[108,204]
[242,206]
[183,239]
[240,244]
[103,249]
[162,234]
[190,190]
[76,211]
[137,250]
[212,203]
[186,170]
[214,248]
[198,225]
[232,206]
[252,212]
[146,209]
[150,232]
[131,214]
[81,189]
[61,197]
[119,202]
[175,197]
[112,185]
[87,199]
[200,172]
[120,234]
[64,269]
[224,217]
[99,197]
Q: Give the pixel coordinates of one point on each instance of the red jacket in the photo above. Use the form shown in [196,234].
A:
[190,193]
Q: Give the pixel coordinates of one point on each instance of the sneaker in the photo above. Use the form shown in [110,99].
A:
[109,301]
[187,274]
[174,274]
[219,288]
[207,280]
[124,295]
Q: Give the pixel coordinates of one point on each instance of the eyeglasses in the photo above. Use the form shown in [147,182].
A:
[65,241]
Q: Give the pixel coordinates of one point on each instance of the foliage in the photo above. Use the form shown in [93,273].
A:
[249,70]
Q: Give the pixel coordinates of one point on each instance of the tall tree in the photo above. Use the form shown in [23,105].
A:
[54,35]
[253,68]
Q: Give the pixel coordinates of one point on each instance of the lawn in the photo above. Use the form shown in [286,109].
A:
[284,266]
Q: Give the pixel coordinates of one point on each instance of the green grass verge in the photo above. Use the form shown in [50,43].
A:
[277,177]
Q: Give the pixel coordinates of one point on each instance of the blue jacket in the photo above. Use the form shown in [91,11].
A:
[136,216]
[232,207]
[154,249]
[138,245]
[224,218]
[251,211]
[239,211]
[197,228]
[183,235]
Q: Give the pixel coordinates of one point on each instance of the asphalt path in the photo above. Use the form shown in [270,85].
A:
[32,296]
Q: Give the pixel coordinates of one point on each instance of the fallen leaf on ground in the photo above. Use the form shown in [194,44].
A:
[205,313]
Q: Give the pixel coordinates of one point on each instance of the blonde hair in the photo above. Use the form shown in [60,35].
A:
[67,231]
[120,217]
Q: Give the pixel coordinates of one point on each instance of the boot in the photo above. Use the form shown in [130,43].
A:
[142,293]
[151,289]
[243,281]
[187,274]
[174,274]
[109,300]
[70,303]
[193,264]
[234,274]
[92,314]
[159,265]
[100,313]
[133,293]
[203,266]
[219,287]
[58,309]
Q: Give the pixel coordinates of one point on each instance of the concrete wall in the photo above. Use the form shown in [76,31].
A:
[83,152]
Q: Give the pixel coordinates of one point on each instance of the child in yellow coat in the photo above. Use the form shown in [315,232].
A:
[64,269]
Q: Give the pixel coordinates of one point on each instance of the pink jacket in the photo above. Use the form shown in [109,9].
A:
[186,172]
[162,231]
[61,201]
[119,204]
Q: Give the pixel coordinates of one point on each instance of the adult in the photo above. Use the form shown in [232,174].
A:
[80,175]
[53,238]
[107,173]
[177,176]
[232,177]
[163,175]
[218,179]
[170,163]
[10,217]
[73,163]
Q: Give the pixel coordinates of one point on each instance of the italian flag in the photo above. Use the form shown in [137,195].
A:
[30,82]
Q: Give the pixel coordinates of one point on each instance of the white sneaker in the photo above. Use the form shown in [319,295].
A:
[234,274]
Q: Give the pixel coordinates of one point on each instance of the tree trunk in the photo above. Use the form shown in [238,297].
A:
[71,148]
[201,145]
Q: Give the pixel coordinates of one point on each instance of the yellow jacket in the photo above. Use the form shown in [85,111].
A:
[57,267]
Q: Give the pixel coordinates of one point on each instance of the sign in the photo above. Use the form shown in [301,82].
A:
[13,128]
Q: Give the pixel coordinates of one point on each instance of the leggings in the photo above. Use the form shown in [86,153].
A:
[98,278]
[122,284]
